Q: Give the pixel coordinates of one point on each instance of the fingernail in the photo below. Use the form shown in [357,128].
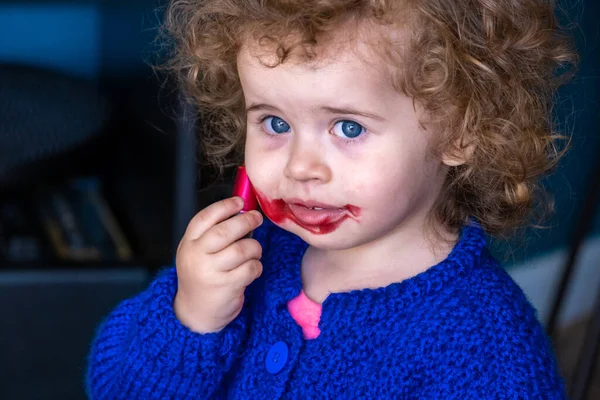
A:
[239,201]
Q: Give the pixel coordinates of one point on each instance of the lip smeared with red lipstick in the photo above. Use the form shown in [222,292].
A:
[278,211]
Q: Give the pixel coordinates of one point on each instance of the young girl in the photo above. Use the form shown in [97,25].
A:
[382,138]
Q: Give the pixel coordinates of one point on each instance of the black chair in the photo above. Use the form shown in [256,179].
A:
[44,114]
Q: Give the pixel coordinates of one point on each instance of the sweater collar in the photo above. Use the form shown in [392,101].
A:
[283,279]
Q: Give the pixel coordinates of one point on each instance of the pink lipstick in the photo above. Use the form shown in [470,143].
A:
[243,188]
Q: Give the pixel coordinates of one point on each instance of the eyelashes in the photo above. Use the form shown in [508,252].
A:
[346,131]
[275,125]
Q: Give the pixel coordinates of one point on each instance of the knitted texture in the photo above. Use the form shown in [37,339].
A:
[460,330]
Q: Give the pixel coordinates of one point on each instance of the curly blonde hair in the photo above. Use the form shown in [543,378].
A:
[486,72]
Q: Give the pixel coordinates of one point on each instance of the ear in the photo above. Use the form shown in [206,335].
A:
[458,154]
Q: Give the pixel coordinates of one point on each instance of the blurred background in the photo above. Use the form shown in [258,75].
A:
[99,175]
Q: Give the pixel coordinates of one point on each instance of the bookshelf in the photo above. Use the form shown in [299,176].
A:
[121,200]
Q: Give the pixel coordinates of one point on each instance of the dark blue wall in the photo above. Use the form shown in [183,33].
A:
[86,39]
[96,40]
[578,113]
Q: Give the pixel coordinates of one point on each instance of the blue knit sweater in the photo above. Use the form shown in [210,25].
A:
[461,330]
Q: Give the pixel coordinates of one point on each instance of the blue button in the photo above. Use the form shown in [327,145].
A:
[277,357]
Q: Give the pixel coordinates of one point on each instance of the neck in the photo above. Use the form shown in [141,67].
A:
[397,256]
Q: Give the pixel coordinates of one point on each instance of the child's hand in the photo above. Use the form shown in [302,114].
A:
[214,266]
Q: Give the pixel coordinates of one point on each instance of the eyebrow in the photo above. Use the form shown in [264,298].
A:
[351,111]
[331,110]
[261,107]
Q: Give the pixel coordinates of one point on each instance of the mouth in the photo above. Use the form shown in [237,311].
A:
[313,205]
[310,213]
[315,217]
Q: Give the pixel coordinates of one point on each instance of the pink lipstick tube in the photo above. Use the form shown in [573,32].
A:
[243,188]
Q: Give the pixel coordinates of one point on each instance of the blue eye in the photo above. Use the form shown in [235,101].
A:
[276,126]
[348,129]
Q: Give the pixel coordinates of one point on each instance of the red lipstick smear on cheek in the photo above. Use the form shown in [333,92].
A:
[354,210]
[278,212]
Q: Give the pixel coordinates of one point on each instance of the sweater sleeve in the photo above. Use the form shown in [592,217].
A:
[497,376]
[142,351]
[499,353]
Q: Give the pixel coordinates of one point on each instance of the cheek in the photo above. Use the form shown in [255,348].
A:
[257,173]
[259,142]
[263,167]
[391,181]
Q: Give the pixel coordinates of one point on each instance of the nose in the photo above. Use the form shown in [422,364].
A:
[306,162]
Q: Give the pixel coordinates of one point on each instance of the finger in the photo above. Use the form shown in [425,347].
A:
[237,253]
[245,274]
[212,215]
[225,233]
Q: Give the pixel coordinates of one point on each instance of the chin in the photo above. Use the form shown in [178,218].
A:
[336,240]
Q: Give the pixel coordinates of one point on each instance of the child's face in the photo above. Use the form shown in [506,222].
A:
[336,133]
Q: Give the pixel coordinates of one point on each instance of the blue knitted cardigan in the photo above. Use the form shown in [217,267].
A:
[461,330]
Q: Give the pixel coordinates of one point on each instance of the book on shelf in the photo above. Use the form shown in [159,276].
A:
[79,223]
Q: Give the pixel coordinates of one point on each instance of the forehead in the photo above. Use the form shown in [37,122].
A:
[296,85]
[349,52]
[254,62]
